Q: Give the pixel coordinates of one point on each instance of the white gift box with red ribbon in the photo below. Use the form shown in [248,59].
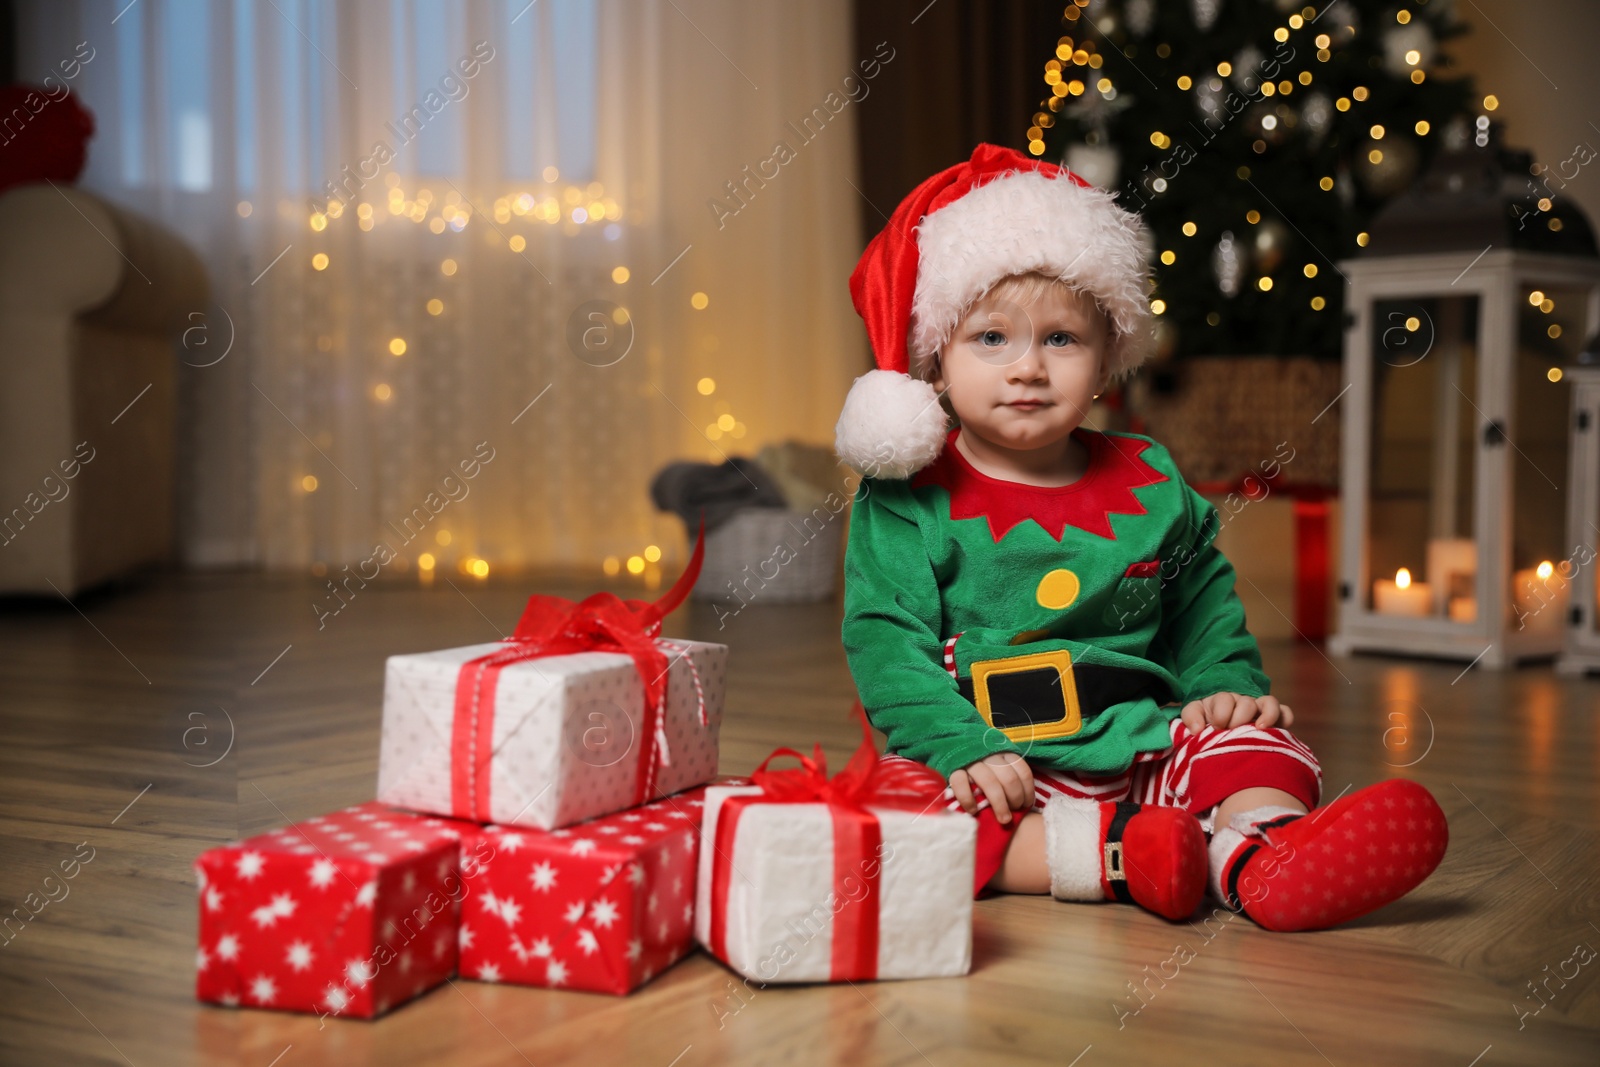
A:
[487,734]
[793,912]
[803,879]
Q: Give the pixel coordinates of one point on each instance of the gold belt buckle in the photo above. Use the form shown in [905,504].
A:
[1113,862]
[1059,660]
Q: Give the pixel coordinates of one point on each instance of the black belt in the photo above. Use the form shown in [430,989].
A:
[1116,873]
[1026,698]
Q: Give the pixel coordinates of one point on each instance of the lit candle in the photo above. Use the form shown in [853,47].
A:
[1541,596]
[1402,596]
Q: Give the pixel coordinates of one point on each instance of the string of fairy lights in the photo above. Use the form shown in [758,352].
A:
[573,208]
[1076,70]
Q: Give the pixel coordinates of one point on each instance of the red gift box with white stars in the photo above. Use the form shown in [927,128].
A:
[348,914]
[604,905]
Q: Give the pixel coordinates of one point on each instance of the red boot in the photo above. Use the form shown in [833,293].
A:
[1151,856]
[1290,871]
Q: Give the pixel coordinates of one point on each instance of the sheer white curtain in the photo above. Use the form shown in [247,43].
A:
[422,217]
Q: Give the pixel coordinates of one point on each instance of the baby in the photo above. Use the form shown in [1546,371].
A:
[1037,611]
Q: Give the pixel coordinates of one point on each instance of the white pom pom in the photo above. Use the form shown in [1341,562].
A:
[892,425]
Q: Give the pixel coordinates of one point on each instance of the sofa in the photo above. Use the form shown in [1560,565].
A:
[93,302]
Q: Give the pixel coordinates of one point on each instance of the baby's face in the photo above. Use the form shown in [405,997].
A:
[1023,377]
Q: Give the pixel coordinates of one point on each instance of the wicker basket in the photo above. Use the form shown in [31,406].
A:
[1231,414]
[746,560]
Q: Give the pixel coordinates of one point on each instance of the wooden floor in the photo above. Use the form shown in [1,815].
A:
[110,715]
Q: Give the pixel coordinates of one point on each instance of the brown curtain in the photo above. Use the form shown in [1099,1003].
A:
[964,71]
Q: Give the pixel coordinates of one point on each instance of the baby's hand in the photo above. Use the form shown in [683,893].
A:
[1005,778]
[1223,710]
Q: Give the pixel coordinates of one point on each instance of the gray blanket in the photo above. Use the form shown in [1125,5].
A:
[716,490]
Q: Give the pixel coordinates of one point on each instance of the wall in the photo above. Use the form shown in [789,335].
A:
[1537,57]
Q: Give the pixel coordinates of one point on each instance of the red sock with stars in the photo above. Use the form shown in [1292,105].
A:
[1291,871]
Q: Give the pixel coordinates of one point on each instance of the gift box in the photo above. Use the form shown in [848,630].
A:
[583,711]
[807,879]
[602,906]
[348,914]
[547,742]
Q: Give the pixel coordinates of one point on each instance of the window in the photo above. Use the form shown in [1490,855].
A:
[263,80]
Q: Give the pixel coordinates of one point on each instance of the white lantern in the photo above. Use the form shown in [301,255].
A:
[1475,293]
[1583,517]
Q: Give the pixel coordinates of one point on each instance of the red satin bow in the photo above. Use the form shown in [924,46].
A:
[556,626]
[865,779]
[857,838]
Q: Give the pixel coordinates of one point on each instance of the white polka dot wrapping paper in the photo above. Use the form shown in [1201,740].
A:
[553,741]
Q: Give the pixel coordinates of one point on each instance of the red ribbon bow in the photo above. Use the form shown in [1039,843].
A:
[857,837]
[556,626]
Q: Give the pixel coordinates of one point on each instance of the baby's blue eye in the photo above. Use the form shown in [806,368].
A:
[1059,339]
[992,337]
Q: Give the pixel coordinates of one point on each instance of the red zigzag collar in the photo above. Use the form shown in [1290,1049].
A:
[1115,470]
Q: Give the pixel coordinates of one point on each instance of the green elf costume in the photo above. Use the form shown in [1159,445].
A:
[1069,625]
[1113,578]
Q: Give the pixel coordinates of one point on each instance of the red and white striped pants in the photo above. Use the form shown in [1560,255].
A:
[1196,773]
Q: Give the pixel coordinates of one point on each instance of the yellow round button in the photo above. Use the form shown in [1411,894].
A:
[1057,589]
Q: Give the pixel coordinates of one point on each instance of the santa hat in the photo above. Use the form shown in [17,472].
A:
[964,229]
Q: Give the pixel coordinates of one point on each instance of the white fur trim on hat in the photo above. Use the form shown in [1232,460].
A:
[1021,222]
[892,425]
[1072,847]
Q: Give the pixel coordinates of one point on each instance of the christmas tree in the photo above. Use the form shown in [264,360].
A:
[1257,138]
